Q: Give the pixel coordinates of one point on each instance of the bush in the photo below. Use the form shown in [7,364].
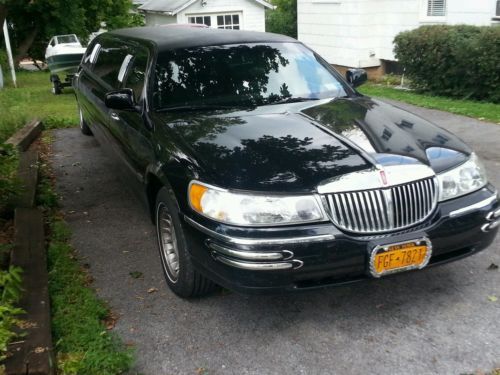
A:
[283,19]
[9,185]
[458,61]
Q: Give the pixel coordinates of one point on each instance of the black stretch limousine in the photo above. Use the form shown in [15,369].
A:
[265,170]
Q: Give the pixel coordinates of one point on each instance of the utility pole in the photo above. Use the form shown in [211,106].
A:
[9,52]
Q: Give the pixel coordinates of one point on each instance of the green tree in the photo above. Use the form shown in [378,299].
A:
[33,22]
[283,19]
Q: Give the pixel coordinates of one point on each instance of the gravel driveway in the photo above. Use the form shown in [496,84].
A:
[437,321]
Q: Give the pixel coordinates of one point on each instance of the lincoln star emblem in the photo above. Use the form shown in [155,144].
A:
[383,177]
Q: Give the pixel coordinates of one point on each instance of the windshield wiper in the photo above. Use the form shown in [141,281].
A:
[198,107]
[295,99]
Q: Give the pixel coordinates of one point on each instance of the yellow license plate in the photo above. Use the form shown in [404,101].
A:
[400,257]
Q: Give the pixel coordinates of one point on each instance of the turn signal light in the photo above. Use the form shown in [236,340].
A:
[195,194]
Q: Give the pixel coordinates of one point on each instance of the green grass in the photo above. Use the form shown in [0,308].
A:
[33,99]
[479,110]
[82,343]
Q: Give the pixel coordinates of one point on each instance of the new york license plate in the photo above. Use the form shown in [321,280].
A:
[402,256]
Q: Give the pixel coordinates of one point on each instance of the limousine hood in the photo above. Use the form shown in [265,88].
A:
[293,147]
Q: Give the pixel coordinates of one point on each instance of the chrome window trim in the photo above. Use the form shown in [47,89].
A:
[475,206]
[259,241]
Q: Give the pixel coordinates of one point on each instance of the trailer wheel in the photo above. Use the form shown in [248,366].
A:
[56,87]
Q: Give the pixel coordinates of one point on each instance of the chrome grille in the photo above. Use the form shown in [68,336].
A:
[382,210]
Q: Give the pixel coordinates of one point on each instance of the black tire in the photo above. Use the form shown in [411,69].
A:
[56,87]
[83,125]
[187,282]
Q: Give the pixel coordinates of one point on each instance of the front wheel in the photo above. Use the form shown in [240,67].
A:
[180,274]
[83,125]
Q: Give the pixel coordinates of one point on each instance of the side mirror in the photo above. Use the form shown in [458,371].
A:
[356,77]
[121,100]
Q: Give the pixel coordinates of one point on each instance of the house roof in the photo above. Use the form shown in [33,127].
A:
[171,38]
[172,7]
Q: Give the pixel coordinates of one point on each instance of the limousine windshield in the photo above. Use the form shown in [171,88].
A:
[242,75]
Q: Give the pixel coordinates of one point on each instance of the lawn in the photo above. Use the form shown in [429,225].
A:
[33,99]
[479,110]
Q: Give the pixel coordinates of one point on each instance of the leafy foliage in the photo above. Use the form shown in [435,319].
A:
[283,19]
[458,61]
[9,186]
[10,292]
[33,23]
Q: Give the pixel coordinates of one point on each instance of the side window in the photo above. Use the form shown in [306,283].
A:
[109,61]
[53,42]
[91,54]
[136,74]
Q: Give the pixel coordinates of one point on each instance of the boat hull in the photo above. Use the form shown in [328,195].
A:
[64,63]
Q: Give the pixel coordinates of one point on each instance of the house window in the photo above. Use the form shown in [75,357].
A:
[228,21]
[436,8]
[200,20]
[498,8]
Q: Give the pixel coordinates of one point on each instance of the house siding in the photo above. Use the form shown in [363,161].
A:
[252,14]
[360,33]
[154,19]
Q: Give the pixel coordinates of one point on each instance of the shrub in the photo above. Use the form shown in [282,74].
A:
[458,61]
[283,19]
[10,292]
[9,186]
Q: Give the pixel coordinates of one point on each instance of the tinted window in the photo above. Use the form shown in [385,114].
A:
[109,61]
[244,74]
[136,72]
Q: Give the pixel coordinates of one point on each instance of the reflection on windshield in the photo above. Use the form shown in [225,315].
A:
[243,74]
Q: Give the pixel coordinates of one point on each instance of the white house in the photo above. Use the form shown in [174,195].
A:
[222,14]
[360,33]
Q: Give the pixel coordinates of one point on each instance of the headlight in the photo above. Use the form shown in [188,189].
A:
[464,179]
[250,209]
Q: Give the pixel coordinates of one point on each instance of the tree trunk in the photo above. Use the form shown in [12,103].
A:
[25,45]
[3,15]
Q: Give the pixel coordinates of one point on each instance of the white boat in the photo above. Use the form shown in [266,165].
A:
[63,55]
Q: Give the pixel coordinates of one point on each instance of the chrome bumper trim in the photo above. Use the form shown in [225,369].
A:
[259,241]
[474,206]
[487,227]
[252,255]
[294,264]
[493,215]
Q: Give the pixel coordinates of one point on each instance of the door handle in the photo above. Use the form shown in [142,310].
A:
[114,116]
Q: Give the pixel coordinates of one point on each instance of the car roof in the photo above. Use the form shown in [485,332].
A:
[171,38]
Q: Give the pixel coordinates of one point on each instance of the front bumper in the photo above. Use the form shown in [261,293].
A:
[269,260]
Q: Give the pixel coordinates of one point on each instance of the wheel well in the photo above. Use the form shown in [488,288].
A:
[153,187]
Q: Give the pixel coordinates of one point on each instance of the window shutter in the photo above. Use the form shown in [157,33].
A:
[436,8]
